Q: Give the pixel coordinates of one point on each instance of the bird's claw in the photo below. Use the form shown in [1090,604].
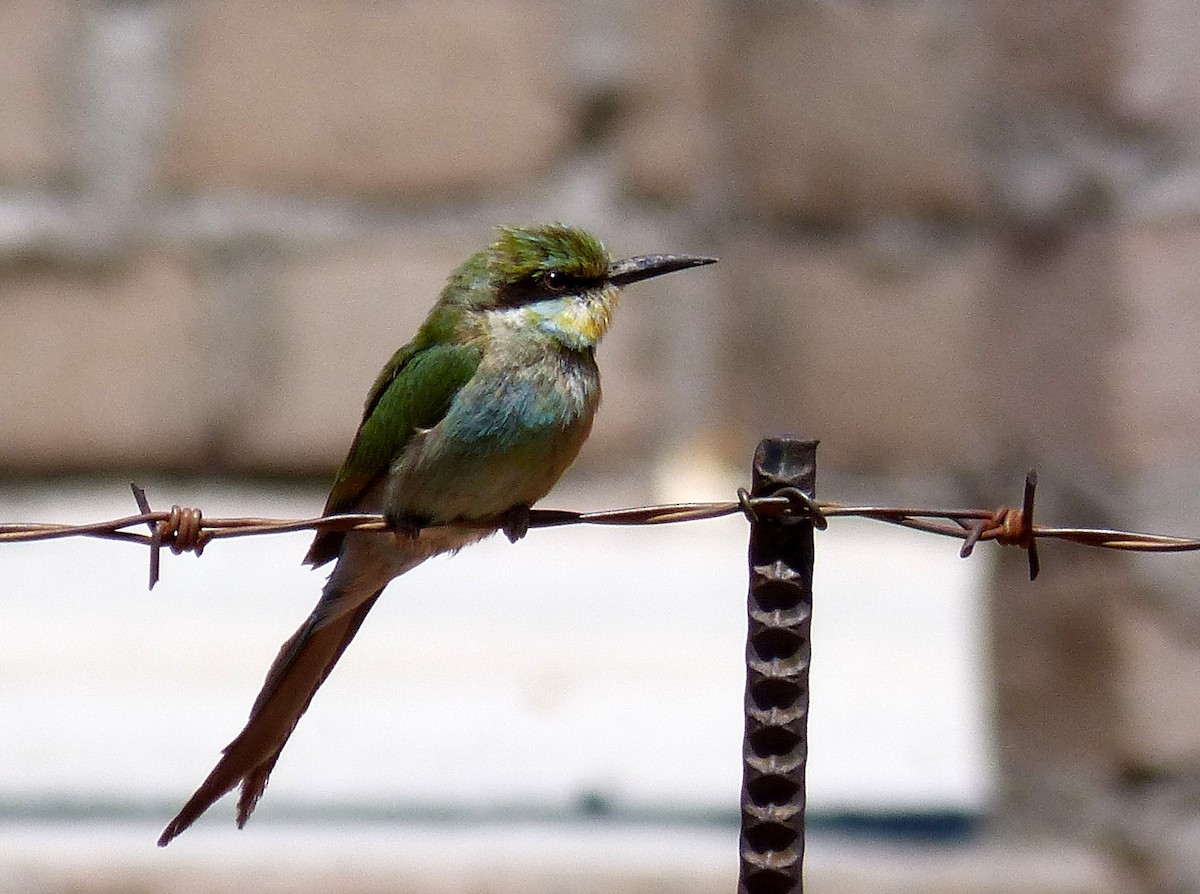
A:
[404,526]
[516,523]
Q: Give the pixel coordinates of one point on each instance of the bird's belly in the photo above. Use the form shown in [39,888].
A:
[499,446]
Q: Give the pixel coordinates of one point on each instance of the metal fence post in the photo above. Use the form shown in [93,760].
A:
[778,649]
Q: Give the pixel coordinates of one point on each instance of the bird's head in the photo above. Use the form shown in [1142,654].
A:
[553,279]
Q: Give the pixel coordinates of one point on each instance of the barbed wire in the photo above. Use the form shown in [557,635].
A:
[184,529]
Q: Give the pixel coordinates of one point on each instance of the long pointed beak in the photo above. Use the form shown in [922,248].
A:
[622,273]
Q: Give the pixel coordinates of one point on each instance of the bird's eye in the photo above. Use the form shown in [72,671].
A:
[554,280]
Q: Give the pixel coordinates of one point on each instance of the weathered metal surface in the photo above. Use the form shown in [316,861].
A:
[778,652]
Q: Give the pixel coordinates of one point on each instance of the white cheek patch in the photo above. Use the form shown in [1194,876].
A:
[574,322]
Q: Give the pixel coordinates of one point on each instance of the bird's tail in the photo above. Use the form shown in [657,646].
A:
[300,668]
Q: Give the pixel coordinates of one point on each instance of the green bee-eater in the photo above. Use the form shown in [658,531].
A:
[474,419]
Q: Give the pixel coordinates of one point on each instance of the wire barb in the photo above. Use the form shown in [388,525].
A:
[185,529]
[182,530]
[1010,527]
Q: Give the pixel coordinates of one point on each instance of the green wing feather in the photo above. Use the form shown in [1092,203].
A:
[413,391]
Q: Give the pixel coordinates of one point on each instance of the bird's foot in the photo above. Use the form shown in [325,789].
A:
[405,526]
[516,523]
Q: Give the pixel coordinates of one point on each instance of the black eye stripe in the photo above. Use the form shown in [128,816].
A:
[540,286]
[556,281]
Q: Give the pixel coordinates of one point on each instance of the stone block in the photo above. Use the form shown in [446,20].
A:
[1055,660]
[1046,348]
[100,369]
[259,360]
[416,99]
[1158,358]
[36,59]
[869,348]
[324,323]
[1158,681]
[1066,53]
[1160,69]
[1156,361]
[650,72]
[839,108]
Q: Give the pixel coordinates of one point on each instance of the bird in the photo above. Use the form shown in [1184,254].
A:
[472,421]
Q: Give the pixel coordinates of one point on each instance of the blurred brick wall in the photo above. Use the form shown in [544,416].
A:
[220,218]
[957,239]
[217,219]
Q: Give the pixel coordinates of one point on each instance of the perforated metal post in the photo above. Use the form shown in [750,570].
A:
[778,650]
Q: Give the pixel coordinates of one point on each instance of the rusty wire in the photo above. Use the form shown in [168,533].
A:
[185,529]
